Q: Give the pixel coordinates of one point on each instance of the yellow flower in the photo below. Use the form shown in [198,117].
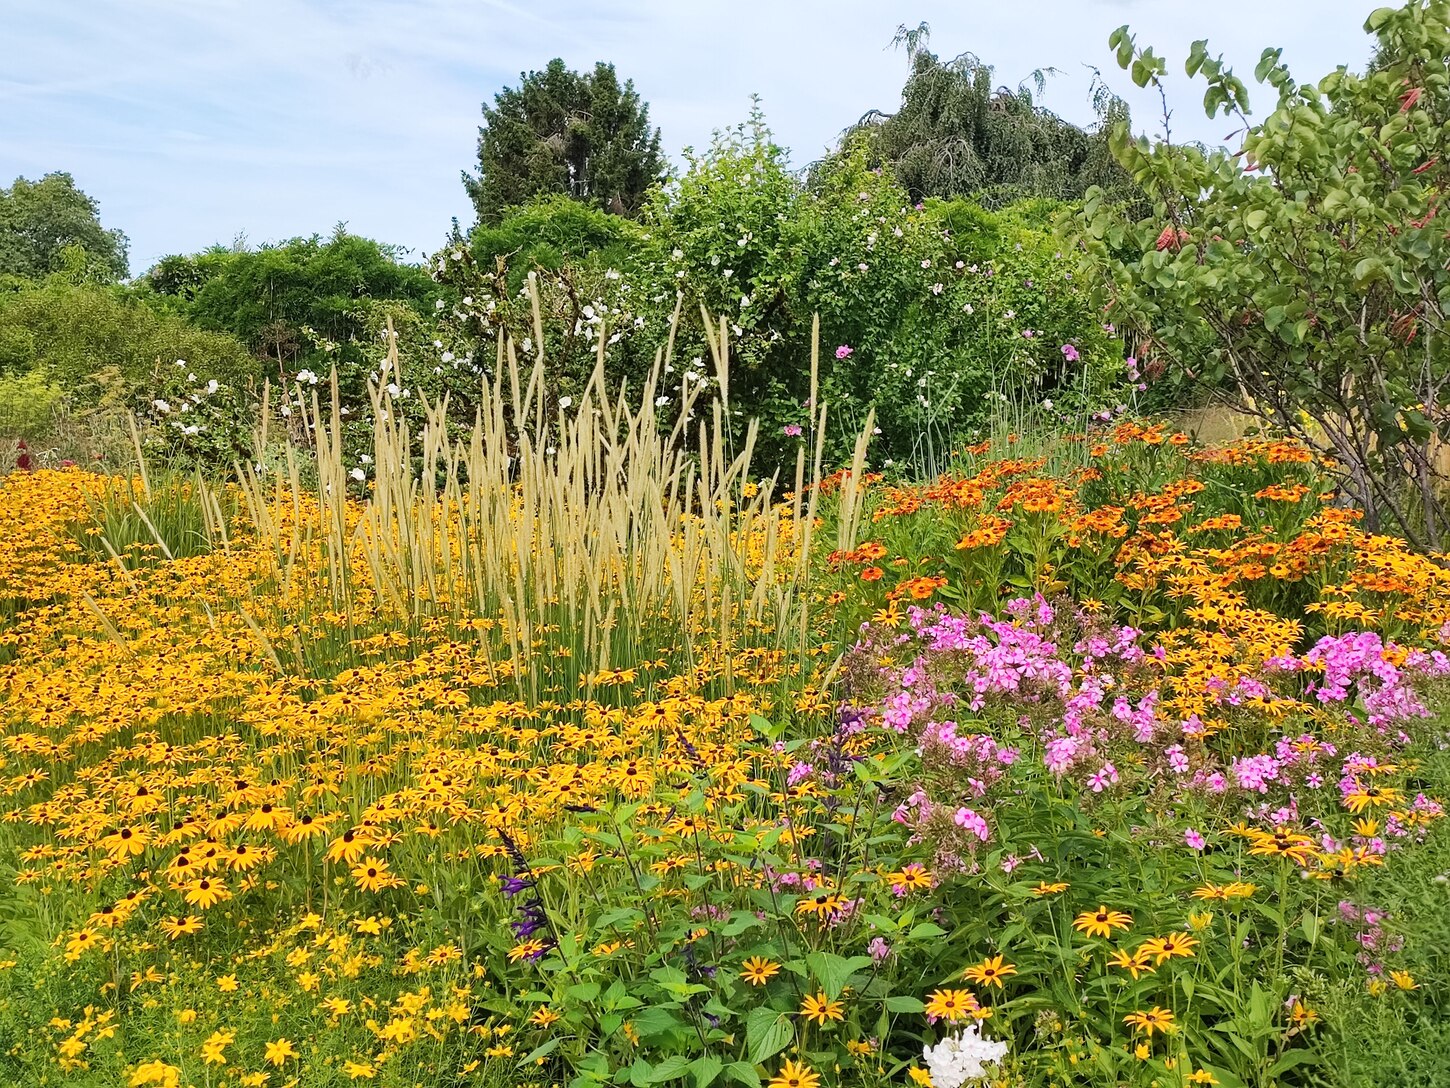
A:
[1404,980]
[372,875]
[1135,963]
[913,877]
[358,1070]
[206,893]
[820,1008]
[279,1050]
[525,950]
[211,1050]
[156,1072]
[920,1076]
[1045,888]
[990,972]
[795,1075]
[822,905]
[952,1005]
[757,970]
[181,927]
[1155,1019]
[1165,948]
[227,984]
[1101,922]
[1201,1076]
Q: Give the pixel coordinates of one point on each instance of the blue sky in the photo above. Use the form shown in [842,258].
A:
[194,120]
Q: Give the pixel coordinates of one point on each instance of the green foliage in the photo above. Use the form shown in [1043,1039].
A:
[1404,1042]
[39,220]
[285,302]
[549,234]
[933,316]
[1306,273]
[957,134]
[27,403]
[69,334]
[560,131]
[138,520]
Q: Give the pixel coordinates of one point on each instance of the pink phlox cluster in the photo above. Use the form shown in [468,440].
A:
[1255,773]
[1139,717]
[978,756]
[1362,660]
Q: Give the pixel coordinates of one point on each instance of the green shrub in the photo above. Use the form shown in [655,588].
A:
[285,302]
[69,333]
[550,234]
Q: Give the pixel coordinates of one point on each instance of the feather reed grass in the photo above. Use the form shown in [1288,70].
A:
[602,530]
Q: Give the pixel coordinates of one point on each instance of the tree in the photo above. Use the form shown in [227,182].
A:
[562,132]
[1306,276]
[275,298]
[957,134]
[39,220]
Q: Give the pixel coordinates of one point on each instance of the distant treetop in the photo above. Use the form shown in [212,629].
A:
[582,135]
[41,220]
[958,134]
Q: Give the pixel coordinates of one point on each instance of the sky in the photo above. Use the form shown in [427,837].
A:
[194,122]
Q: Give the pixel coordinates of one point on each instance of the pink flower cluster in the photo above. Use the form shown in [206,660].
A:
[974,692]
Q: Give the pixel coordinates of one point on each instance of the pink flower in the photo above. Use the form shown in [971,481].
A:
[1106,776]
[1194,839]
[1070,353]
[844,351]
[792,430]
[971,821]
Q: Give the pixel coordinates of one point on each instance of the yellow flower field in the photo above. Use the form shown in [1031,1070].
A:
[570,774]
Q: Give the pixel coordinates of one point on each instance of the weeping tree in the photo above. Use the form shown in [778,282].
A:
[958,133]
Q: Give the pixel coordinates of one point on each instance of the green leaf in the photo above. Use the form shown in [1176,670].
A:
[1378,18]
[655,1021]
[1367,271]
[743,1073]
[904,1003]
[1124,48]
[1256,219]
[832,971]
[1311,927]
[671,1068]
[705,1069]
[767,1033]
[1196,56]
[539,1052]
[1267,62]
[1292,1059]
